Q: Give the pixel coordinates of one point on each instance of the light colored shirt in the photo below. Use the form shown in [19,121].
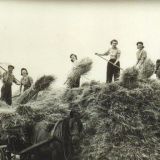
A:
[141,56]
[114,53]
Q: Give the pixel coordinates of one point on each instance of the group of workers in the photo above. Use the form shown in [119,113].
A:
[8,78]
[113,66]
[113,70]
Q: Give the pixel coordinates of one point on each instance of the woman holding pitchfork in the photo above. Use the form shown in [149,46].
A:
[113,66]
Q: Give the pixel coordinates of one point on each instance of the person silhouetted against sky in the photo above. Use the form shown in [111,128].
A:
[26,80]
[6,91]
[113,66]
[74,60]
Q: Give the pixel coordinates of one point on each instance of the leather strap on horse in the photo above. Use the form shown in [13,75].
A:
[55,126]
[53,134]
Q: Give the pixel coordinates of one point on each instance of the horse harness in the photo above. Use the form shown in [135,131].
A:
[57,132]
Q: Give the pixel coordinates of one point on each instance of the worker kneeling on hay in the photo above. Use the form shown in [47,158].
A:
[6,90]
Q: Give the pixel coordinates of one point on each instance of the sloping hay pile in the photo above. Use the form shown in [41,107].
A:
[119,123]
[48,107]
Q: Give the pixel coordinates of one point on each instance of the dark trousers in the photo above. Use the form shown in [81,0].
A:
[76,82]
[6,93]
[112,71]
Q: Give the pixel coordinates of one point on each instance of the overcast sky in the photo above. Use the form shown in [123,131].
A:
[40,35]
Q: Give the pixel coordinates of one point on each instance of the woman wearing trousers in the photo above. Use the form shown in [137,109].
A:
[113,66]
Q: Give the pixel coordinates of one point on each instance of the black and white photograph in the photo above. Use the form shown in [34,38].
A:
[79,80]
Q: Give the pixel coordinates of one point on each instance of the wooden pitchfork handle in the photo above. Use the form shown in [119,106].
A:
[109,61]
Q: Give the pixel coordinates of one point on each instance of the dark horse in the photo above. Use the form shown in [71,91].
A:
[56,144]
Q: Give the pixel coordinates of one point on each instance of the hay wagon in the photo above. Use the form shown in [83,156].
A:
[10,144]
[17,150]
[25,154]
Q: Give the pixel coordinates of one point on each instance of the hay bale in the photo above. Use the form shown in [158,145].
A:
[129,78]
[81,68]
[147,69]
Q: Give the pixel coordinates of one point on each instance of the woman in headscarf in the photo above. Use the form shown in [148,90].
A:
[26,81]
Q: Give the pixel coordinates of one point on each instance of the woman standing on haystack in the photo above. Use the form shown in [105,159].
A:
[74,60]
[141,55]
[113,66]
[26,81]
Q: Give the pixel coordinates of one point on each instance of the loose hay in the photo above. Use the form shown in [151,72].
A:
[147,69]
[158,73]
[41,84]
[129,78]
[119,123]
[81,68]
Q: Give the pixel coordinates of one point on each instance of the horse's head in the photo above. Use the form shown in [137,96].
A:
[75,126]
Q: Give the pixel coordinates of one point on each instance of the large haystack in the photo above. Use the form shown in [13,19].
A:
[120,122]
